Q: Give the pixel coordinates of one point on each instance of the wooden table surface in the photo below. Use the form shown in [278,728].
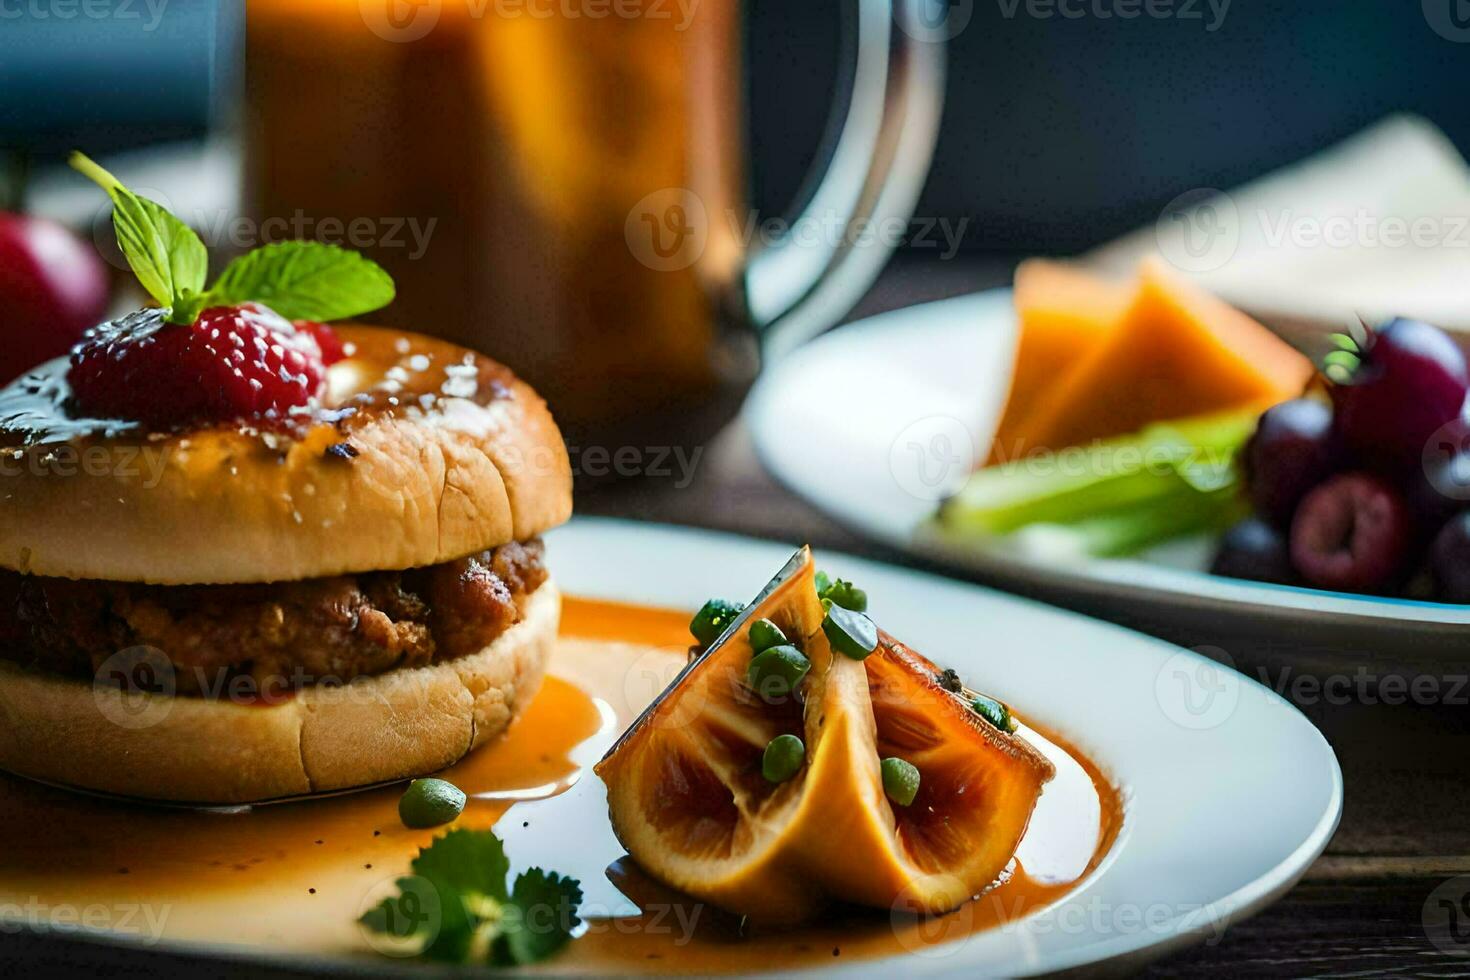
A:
[1405,831]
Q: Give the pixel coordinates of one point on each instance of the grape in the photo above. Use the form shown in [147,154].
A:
[1439,489]
[1352,533]
[1294,449]
[1412,380]
[1253,549]
[52,288]
[1449,560]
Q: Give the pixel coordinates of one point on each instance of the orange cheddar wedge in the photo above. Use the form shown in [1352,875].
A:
[1177,352]
[1063,314]
[688,795]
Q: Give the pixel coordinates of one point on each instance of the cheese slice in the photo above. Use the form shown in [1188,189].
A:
[1063,314]
[1177,351]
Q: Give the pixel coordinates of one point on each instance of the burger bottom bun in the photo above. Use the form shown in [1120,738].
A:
[375,729]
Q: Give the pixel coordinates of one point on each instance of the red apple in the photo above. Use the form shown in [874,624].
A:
[52,287]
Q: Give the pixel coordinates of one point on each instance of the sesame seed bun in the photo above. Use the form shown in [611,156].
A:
[425,452]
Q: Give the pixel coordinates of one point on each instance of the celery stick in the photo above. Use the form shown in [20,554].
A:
[1116,496]
[1075,483]
[1131,529]
[1002,499]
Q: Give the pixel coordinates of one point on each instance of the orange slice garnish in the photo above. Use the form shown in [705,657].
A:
[688,799]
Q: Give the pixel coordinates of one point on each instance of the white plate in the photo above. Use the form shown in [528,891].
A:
[1231,793]
[878,421]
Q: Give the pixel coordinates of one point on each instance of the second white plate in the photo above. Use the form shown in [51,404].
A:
[877,422]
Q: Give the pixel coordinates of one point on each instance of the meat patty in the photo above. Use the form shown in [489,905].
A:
[326,630]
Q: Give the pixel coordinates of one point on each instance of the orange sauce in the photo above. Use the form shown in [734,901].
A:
[294,876]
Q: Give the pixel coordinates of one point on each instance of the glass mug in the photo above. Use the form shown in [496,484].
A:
[560,184]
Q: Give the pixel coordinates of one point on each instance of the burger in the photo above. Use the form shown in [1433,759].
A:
[246,556]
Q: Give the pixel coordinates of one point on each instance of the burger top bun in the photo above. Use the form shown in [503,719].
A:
[422,453]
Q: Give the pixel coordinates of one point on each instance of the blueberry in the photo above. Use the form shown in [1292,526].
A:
[1253,549]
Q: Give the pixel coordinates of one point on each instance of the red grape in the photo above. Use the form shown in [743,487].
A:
[1352,533]
[52,288]
[1294,449]
[1412,380]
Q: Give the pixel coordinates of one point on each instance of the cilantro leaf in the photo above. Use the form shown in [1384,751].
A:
[457,904]
[539,919]
[466,861]
[165,254]
[304,281]
[400,916]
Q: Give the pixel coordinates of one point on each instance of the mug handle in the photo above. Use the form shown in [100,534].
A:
[795,290]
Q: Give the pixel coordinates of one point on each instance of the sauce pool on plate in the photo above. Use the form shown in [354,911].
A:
[292,877]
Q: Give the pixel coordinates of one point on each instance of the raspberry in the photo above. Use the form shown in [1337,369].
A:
[333,350]
[237,362]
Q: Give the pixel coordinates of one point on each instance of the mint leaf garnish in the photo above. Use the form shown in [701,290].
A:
[476,916]
[304,281]
[165,254]
[298,280]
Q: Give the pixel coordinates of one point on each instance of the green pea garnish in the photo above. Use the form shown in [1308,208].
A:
[765,634]
[851,633]
[430,802]
[712,619]
[900,780]
[846,595]
[774,673]
[994,712]
[783,758]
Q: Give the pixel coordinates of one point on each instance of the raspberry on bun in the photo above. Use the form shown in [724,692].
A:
[244,555]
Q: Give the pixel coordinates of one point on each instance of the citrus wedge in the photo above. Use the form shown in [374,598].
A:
[689,800]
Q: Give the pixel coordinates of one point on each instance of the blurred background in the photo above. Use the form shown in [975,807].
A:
[502,150]
[1058,133]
